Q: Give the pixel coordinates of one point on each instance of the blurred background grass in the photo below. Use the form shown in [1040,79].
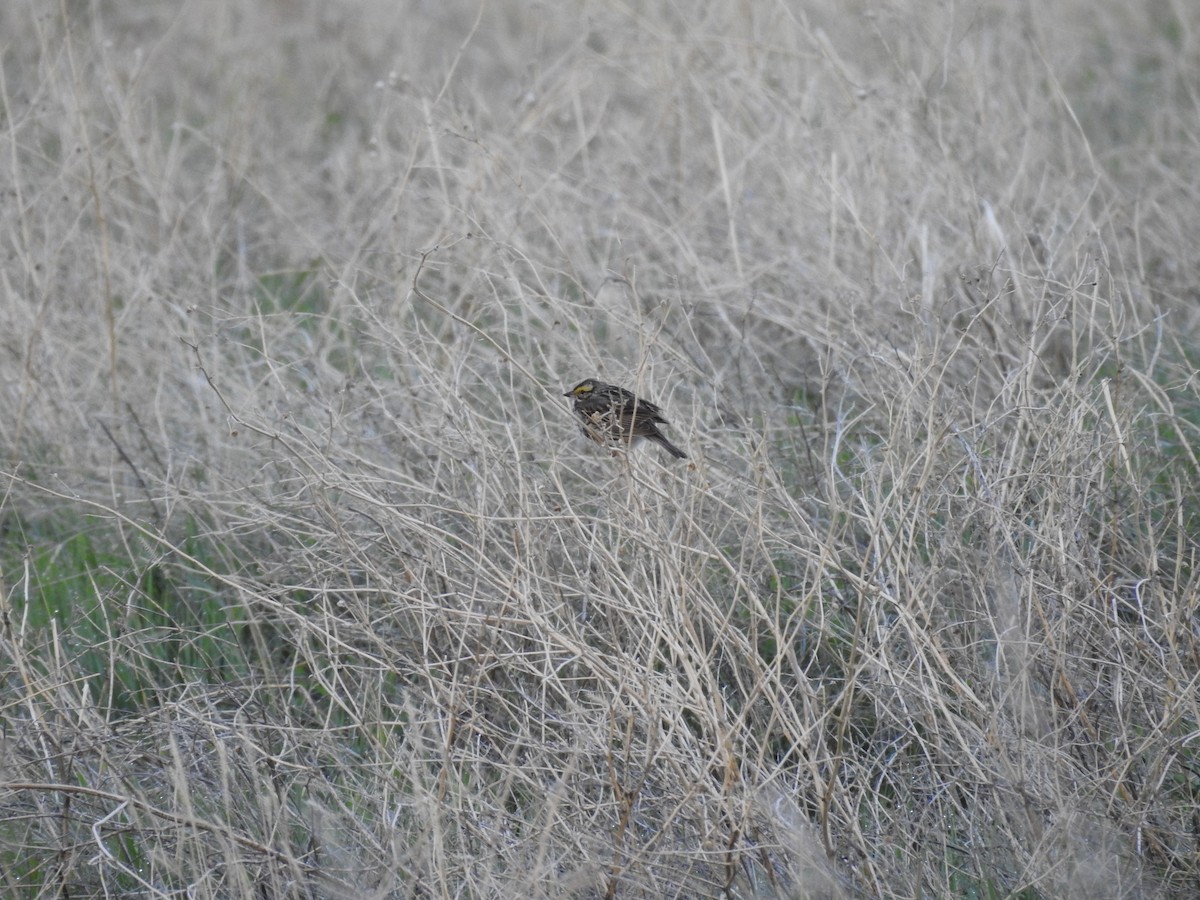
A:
[311,587]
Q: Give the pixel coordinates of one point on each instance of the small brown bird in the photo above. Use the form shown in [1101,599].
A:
[612,415]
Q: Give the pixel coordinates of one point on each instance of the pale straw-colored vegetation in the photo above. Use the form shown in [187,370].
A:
[310,586]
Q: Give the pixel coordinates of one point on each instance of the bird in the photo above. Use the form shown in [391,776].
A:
[613,415]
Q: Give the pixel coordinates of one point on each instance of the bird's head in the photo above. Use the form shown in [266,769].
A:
[582,389]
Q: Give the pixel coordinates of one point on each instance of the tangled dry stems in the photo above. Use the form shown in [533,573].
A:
[310,588]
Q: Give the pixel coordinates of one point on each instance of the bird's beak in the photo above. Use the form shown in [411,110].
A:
[568,393]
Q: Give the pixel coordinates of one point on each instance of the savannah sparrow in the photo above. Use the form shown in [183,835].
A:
[613,415]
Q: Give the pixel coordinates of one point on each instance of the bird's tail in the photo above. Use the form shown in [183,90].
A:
[668,446]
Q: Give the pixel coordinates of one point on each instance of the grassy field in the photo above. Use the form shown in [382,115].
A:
[311,587]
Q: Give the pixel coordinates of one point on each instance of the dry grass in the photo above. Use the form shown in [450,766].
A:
[311,588]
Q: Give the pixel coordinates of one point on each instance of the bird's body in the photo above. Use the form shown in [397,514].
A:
[612,415]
